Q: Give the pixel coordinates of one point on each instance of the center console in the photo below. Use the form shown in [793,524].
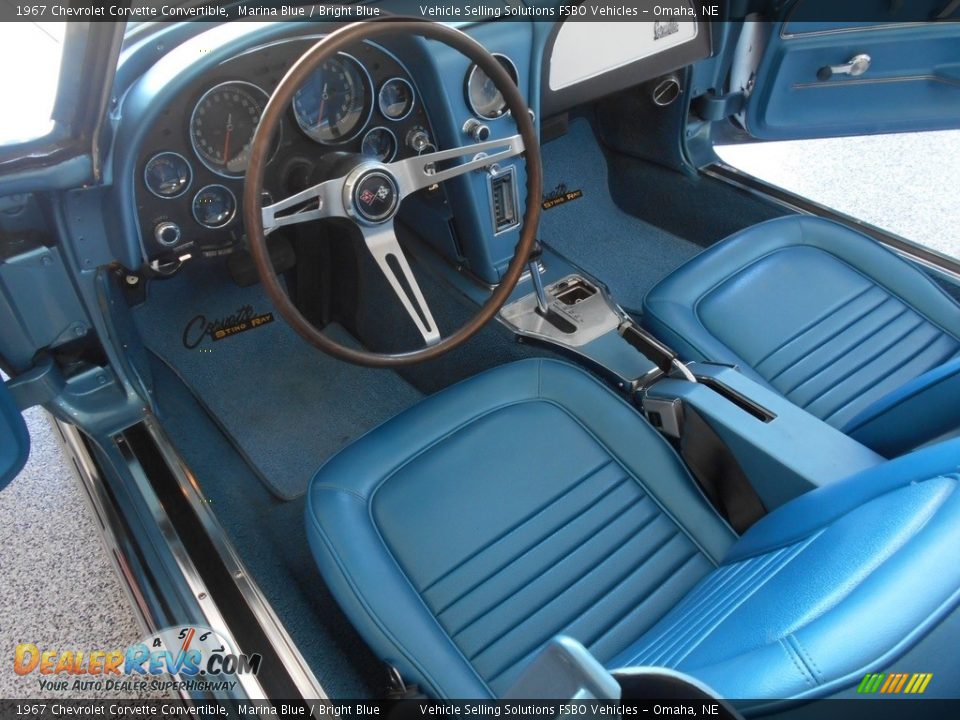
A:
[783,450]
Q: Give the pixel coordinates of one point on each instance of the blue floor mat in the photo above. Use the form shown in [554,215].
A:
[271,537]
[285,405]
[626,253]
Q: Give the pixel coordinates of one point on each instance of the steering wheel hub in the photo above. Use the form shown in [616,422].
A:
[371,195]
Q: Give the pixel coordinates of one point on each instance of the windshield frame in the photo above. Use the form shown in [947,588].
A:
[87,67]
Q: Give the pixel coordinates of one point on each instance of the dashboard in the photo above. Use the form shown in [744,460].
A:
[190,171]
[189,103]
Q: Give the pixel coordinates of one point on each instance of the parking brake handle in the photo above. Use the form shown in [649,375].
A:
[659,354]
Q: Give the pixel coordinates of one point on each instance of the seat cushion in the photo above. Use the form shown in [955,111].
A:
[530,501]
[525,502]
[820,313]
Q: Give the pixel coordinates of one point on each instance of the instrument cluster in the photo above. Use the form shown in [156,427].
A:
[194,160]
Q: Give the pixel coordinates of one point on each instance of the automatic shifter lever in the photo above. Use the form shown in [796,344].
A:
[534,266]
[562,323]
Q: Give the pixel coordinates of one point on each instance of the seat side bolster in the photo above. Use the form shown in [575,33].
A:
[343,539]
[816,509]
[924,408]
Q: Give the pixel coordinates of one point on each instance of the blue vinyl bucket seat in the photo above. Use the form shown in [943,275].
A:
[531,501]
[827,317]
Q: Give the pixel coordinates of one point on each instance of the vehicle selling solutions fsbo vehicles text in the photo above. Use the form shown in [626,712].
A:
[586,10]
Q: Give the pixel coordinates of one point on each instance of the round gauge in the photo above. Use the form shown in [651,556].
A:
[482,94]
[379,144]
[214,206]
[335,101]
[222,126]
[396,99]
[167,175]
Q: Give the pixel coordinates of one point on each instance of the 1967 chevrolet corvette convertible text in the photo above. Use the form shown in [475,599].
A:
[432,352]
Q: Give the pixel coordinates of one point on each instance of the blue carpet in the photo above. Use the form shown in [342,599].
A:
[626,253]
[285,405]
[271,538]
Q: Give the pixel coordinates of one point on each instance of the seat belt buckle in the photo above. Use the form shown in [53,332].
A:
[665,415]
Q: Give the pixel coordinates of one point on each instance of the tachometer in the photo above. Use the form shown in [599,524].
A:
[222,126]
[335,102]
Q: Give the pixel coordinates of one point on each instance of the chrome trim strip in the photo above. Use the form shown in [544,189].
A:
[105,512]
[877,81]
[294,663]
[208,606]
[843,30]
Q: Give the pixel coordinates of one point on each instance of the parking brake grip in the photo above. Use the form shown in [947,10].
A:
[658,353]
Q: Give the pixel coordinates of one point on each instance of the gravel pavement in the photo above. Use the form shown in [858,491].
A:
[906,184]
[58,589]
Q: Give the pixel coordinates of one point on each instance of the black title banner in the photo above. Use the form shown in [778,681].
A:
[874,709]
[801,11]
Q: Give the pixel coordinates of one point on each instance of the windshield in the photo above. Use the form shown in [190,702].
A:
[39,46]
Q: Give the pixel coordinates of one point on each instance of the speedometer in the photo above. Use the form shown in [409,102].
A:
[222,126]
[335,102]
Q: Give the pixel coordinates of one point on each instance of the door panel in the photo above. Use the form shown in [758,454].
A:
[912,81]
[14,440]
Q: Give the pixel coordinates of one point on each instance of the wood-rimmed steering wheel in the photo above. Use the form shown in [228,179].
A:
[369,193]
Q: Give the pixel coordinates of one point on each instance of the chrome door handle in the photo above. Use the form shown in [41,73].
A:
[854,67]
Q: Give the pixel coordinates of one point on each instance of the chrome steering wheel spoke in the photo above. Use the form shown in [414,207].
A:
[323,200]
[382,242]
[418,172]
